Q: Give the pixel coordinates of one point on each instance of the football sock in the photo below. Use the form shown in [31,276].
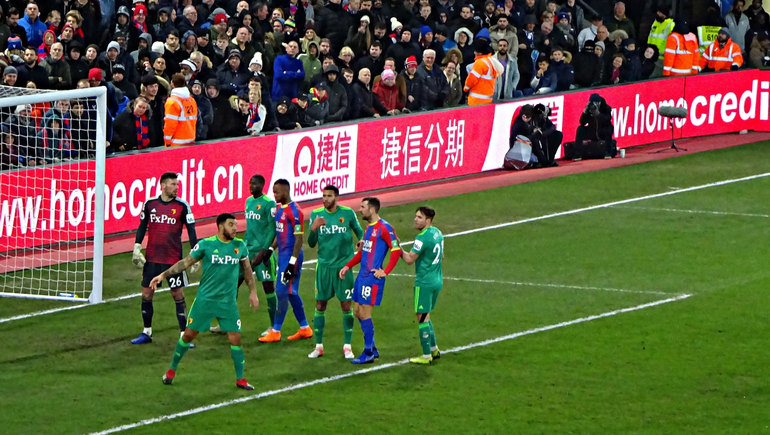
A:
[367,327]
[347,325]
[433,345]
[299,310]
[272,301]
[238,360]
[179,351]
[319,320]
[181,316]
[425,337]
[147,312]
[280,312]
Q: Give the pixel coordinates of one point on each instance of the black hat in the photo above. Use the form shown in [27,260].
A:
[481,46]
[150,79]
[235,52]
[200,33]
[321,85]
[212,82]
[119,68]
[589,45]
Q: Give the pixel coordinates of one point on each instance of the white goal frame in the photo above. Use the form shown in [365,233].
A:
[100,93]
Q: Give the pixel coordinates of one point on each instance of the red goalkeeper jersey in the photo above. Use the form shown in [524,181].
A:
[164,222]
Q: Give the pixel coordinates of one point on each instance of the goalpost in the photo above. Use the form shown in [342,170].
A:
[52,175]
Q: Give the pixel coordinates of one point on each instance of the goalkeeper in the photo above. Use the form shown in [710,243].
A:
[162,219]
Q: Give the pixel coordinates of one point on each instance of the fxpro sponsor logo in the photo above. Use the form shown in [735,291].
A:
[314,159]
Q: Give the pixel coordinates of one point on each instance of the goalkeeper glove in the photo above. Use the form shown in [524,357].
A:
[268,255]
[138,258]
[195,267]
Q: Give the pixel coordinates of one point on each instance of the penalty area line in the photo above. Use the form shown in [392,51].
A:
[463,233]
[376,368]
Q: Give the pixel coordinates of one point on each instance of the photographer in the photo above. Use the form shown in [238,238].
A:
[594,135]
[534,124]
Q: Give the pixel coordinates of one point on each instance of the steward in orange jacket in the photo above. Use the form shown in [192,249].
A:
[480,83]
[681,56]
[181,114]
[723,54]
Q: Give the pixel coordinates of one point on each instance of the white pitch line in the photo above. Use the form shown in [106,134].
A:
[471,231]
[717,213]
[328,379]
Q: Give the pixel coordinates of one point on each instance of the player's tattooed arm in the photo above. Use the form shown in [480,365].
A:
[180,266]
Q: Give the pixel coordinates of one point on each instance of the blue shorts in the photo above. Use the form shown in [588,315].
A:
[368,290]
[291,287]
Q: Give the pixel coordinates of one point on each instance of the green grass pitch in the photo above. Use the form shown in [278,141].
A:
[698,364]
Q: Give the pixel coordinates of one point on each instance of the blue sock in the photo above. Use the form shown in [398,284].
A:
[299,310]
[367,326]
[280,312]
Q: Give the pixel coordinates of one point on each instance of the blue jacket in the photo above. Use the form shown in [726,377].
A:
[34,30]
[288,73]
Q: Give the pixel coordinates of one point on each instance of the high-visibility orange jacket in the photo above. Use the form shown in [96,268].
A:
[720,59]
[682,56]
[181,116]
[480,83]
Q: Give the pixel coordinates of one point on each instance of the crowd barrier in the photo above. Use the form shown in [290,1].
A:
[364,156]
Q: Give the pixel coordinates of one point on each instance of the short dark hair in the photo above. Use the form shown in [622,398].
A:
[259,179]
[178,80]
[427,211]
[373,201]
[376,43]
[282,182]
[222,218]
[167,176]
[333,188]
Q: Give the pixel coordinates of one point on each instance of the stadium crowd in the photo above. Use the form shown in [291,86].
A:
[255,67]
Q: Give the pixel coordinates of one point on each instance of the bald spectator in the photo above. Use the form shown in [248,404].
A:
[619,21]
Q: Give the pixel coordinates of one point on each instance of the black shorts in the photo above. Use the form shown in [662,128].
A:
[151,270]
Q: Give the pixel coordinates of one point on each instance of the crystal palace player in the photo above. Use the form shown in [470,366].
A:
[289,231]
[332,227]
[222,256]
[379,239]
[163,217]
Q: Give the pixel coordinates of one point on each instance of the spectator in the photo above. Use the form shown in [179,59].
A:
[188,21]
[9,157]
[414,86]
[57,68]
[67,37]
[288,72]
[619,21]
[403,49]
[590,32]
[54,139]
[12,20]
[759,55]
[427,41]
[318,104]
[173,52]
[164,25]
[617,70]
[576,14]
[205,47]
[435,85]
[374,62]
[10,75]
[506,83]
[75,20]
[181,114]
[388,92]
[722,55]
[345,58]
[652,64]
[337,95]
[92,56]
[563,34]
[149,91]
[22,128]
[368,103]
[455,94]
[33,27]
[480,84]
[633,60]
[233,76]
[756,13]
[310,35]
[464,39]
[123,86]
[544,80]
[205,111]
[588,72]
[543,37]
[91,14]
[359,36]
[661,29]
[221,108]
[31,71]
[440,34]
[158,69]
[242,42]
[286,113]
[203,71]
[615,44]
[300,105]
[738,23]
[122,25]
[237,115]
[467,20]
[131,130]
[503,30]
[332,21]
[83,128]
[49,37]
[108,59]
[565,74]
[310,63]
[257,113]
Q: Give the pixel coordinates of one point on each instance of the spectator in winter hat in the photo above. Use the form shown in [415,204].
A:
[10,74]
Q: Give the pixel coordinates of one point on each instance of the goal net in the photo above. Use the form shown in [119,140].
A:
[52,160]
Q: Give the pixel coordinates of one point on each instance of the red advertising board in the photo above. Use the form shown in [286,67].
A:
[42,206]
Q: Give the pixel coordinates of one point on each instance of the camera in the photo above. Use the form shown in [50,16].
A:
[592,107]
